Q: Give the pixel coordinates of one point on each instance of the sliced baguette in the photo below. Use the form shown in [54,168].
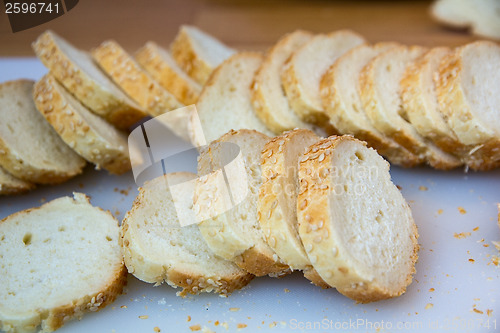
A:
[30,148]
[303,71]
[198,53]
[277,203]
[468,93]
[59,261]
[88,134]
[78,73]
[162,67]
[131,78]
[381,96]
[339,89]
[481,16]
[420,104]
[11,185]
[225,103]
[157,248]
[234,234]
[268,96]
[355,225]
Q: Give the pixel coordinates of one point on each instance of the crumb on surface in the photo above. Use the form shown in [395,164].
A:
[440,211]
[432,289]
[144,317]
[286,290]
[475,229]
[225,325]
[477,311]
[241,325]
[471,260]
[157,329]
[123,307]
[422,188]
[399,187]
[196,327]
[234,309]
[462,235]
[216,323]
[489,312]
[188,319]
[495,260]
[462,210]
[429,306]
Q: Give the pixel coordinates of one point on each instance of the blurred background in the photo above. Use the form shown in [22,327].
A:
[243,24]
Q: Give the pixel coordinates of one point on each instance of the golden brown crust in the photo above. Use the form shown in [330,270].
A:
[185,55]
[312,275]
[482,147]
[260,264]
[150,58]
[116,110]
[127,74]
[73,128]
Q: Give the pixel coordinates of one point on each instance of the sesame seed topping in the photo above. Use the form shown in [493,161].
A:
[321,157]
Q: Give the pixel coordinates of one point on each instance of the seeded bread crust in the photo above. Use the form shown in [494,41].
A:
[258,259]
[49,320]
[58,107]
[15,161]
[274,109]
[350,118]
[152,271]
[318,235]
[184,52]
[136,82]
[151,58]
[10,185]
[118,110]
[482,143]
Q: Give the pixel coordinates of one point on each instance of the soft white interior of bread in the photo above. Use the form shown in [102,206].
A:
[481,83]
[369,216]
[84,61]
[157,235]
[56,254]
[315,57]
[6,179]
[212,50]
[25,131]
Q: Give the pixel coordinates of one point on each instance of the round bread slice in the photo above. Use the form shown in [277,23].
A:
[234,233]
[30,148]
[355,225]
[225,103]
[78,73]
[339,89]
[158,248]
[468,93]
[303,71]
[135,81]
[11,185]
[381,96]
[277,203]
[198,53]
[162,67]
[268,96]
[58,261]
[420,104]
[88,134]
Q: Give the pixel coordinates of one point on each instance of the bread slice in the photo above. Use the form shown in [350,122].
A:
[131,78]
[158,248]
[11,185]
[468,93]
[198,53]
[159,63]
[30,149]
[339,89]
[59,261]
[481,16]
[277,203]
[78,73]
[88,134]
[268,96]
[225,103]
[420,105]
[381,96]
[231,227]
[355,225]
[305,68]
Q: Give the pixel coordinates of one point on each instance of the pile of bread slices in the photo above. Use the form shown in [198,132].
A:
[412,104]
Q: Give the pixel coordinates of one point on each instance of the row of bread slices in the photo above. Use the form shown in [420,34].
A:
[326,207]
[81,109]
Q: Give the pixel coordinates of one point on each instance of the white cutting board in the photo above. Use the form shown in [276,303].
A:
[291,303]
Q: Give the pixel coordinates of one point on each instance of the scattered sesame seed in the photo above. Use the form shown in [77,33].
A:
[144,317]
[196,327]
[234,309]
[423,188]
[429,306]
